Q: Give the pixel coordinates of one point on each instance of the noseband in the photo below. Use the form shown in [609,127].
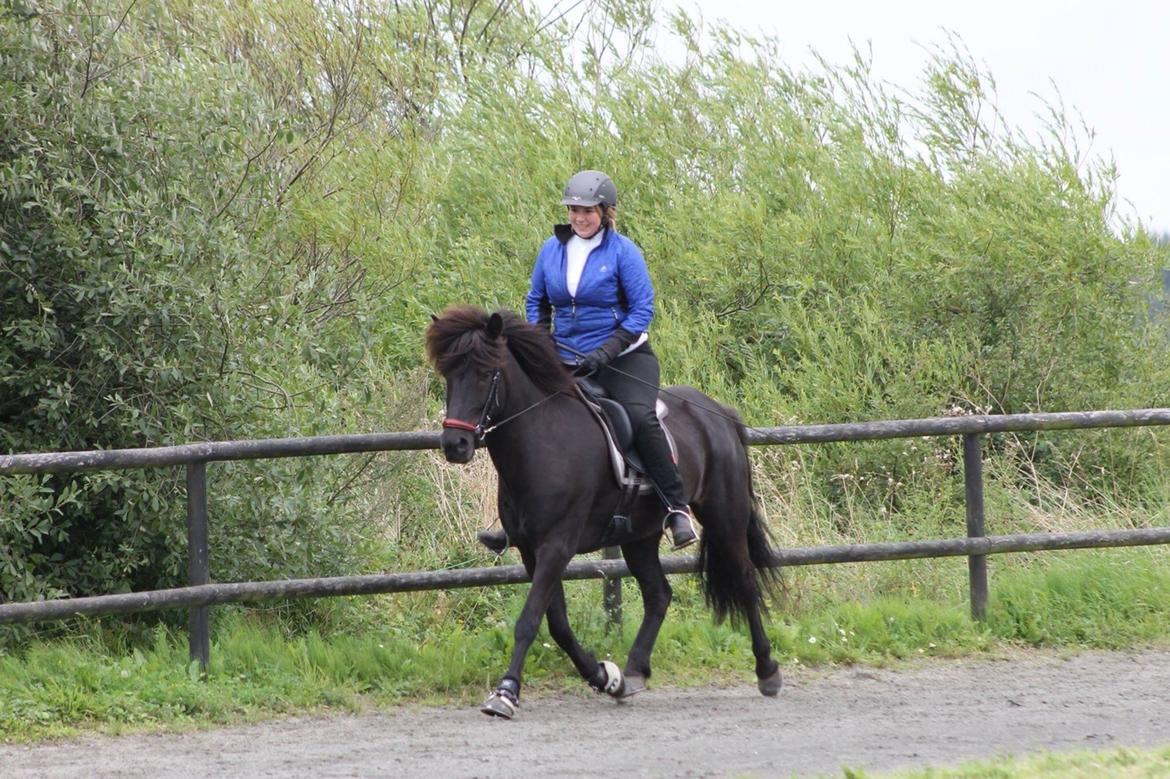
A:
[480,430]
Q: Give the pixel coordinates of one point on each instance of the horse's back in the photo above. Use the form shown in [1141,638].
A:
[700,409]
[703,425]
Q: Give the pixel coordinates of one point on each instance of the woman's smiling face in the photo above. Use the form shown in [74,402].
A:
[585,220]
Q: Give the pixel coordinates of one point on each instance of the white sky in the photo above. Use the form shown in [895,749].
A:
[1108,61]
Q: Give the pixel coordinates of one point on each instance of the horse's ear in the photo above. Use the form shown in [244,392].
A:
[495,326]
[434,318]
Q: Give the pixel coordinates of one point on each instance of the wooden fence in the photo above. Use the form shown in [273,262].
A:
[200,593]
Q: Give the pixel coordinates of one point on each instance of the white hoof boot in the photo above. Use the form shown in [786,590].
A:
[613,679]
[501,703]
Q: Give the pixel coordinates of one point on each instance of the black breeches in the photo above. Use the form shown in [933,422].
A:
[636,388]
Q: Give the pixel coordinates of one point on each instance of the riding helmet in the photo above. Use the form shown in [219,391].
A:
[589,188]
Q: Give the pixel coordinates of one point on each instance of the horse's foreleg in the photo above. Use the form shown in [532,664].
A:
[546,569]
[642,559]
[562,633]
[603,677]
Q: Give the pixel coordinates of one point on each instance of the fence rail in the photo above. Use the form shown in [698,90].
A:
[201,593]
[378,584]
[273,448]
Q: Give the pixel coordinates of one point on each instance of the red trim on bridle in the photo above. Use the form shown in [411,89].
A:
[459,424]
[485,425]
[489,405]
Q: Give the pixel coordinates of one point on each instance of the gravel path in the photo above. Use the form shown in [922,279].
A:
[941,712]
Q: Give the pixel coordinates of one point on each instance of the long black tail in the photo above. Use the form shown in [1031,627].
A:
[734,582]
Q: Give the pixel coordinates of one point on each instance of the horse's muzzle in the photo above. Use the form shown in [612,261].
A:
[458,445]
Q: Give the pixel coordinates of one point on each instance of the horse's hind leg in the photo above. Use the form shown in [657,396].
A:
[734,536]
[604,676]
[642,559]
[768,677]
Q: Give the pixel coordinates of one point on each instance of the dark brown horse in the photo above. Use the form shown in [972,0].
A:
[508,389]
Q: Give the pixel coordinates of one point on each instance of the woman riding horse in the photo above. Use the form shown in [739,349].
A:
[591,285]
[557,493]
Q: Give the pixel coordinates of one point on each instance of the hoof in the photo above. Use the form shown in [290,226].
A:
[500,704]
[631,686]
[770,685]
[495,541]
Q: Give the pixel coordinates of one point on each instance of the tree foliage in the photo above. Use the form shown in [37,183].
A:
[224,220]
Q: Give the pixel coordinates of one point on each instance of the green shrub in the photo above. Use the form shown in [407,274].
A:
[225,221]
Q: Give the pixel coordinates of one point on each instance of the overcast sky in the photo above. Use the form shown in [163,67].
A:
[1107,61]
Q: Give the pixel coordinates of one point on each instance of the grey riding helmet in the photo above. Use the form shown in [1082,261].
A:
[588,188]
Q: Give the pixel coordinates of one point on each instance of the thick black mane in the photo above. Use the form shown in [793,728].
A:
[460,335]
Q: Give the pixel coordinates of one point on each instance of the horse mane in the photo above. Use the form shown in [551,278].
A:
[459,334]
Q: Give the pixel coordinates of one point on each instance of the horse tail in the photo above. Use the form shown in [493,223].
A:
[732,581]
[760,541]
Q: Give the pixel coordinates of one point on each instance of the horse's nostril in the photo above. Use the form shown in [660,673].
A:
[459,450]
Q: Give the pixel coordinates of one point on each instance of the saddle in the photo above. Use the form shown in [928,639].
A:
[628,467]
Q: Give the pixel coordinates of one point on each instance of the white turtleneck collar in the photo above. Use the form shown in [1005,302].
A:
[576,252]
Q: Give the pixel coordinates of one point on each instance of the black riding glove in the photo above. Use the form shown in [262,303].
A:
[596,359]
[604,354]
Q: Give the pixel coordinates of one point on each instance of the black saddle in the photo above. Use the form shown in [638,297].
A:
[616,418]
[628,466]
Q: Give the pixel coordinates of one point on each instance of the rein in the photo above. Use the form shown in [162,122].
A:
[503,422]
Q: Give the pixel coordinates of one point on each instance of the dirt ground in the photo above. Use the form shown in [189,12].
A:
[934,713]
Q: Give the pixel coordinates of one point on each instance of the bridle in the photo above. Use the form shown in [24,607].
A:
[491,404]
[481,429]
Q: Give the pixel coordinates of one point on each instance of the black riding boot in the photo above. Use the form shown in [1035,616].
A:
[661,469]
[633,380]
[680,522]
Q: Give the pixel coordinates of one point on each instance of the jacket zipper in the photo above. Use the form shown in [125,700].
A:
[573,298]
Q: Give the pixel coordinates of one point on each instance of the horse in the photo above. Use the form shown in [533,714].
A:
[557,493]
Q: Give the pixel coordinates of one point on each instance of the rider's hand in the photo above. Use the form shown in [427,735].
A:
[596,359]
[604,354]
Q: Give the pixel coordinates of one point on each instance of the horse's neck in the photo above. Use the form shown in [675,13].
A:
[520,393]
[533,419]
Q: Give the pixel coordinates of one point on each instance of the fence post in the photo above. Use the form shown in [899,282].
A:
[198,570]
[973,484]
[612,591]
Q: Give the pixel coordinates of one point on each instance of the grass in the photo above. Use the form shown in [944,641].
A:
[261,667]
[1116,764]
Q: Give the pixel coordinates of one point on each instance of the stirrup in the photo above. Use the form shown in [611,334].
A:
[680,523]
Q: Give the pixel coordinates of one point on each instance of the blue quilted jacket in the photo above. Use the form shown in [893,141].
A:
[614,291]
